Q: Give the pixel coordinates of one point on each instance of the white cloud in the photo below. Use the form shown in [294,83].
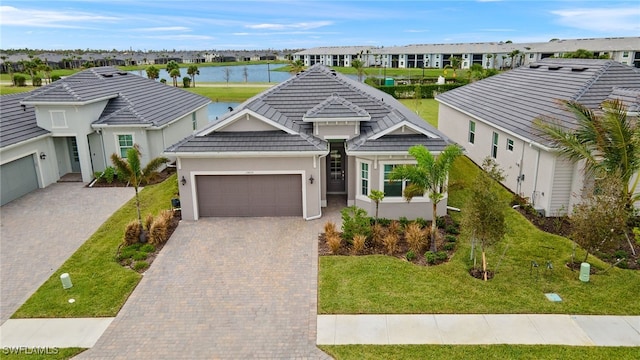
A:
[12,16]
[164,28]
[294,26]
[180,37]
[415,31]
[601,19]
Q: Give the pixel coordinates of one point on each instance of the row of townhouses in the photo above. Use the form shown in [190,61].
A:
[497,55]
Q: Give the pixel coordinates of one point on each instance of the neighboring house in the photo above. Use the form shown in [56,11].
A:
[74,125]
[283,151]
[494,117]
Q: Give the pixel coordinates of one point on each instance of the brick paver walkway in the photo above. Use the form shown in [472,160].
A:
[231,288]
[40,230]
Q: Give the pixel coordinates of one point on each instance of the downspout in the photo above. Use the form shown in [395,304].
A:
[535,178]
[520,179]
[104,151]
[320,187]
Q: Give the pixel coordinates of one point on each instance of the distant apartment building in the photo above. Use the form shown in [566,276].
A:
[498,55]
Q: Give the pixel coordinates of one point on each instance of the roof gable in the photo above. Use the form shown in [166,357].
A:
[336,108]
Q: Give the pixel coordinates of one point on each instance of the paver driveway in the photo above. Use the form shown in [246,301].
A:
[224,288]
[39,231]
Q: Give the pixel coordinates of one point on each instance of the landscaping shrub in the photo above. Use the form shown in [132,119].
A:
[449,246]
[422,222]
[452,229]
[355,221]
[334,241]
[330,228]
[108,174]
[390,242]
[450,238]
[36,81]
[19,80]
[138,256]
[159,230]
[415,236]
[358,243]
[377,234]
[148,248]
[384,221]
[186,81]
[403,221]
[132,233]
[620,254]
[55,78]
[147,222]
[410,255]
[440,222]
[140,265]
[394,227]
[441,255]
[430,257]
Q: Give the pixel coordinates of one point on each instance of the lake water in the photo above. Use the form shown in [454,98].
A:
[217,109]
[254,73]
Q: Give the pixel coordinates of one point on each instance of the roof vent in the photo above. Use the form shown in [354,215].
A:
[107,75]
[534,66]
[555,67]
[122,73]
[578,68]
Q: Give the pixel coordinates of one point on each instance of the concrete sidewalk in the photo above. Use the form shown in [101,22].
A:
[538,329]
[61,333]
[577,330]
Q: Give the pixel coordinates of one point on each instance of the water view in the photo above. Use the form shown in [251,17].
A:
[217,109]
[236,73]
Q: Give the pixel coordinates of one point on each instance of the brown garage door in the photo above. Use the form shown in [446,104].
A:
[249,195]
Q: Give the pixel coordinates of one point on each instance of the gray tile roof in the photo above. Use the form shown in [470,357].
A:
[396,143]
[512,100]
[629,97]
[249,141]
[17,123]
[320,90]
[334,107]
[134,100]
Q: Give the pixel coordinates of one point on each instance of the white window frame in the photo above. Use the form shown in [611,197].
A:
[359,194]
[133,141]
[58,125]
[472,131]
[495,138]
[194,121]
[625,54]
[397,199]
[510,145]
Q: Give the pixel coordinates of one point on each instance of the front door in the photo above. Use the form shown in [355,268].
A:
[73,154]
[336,166]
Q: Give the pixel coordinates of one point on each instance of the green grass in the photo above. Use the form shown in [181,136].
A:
[100,285]
[62,353]
[10,89]
[425,108]
[230,93]
[381,284]
[479,352]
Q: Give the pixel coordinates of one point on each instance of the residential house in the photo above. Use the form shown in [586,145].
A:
[73,125]
[284,151]
[494,117]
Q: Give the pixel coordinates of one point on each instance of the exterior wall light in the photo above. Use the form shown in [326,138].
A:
[311,179]
[183,181]
[43,155]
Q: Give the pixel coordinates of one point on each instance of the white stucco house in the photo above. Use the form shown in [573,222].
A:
[73,125]
[494,117]
[284,151]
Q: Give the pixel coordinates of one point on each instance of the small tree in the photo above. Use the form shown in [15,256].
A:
[376,196]
[131,170]
[600,220]
[192,71]
[153,72]
[227,74]
[174,71]
[359,66]
[484,215]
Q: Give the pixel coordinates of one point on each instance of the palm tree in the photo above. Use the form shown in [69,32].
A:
[192,70]
[514,56]
[430,175]
[174,71]
[359,66]
[296,66]
[153,72]
[609,143]
[132,171]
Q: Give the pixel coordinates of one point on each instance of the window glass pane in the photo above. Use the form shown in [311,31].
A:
[391,188]
[125,143]
[472,132]
[364,182]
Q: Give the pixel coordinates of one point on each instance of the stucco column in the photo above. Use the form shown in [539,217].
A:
[84,154]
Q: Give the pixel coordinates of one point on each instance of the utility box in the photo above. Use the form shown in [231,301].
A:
[66,281]
[389,82]
[585,269]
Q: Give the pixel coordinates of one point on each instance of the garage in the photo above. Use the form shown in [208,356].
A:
[18,178]
[249,195]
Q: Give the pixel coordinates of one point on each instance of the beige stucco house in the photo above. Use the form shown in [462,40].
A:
[74,124]
[284,151]
[494,117]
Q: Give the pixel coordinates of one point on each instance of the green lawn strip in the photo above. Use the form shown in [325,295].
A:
[381,284]
[59,72]
[230,93]
[100,285]
[425,108]
[50,353]
[10,89]
[479,352]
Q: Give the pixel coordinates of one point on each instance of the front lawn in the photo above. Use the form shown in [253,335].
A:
[479,352]
[381,284]
[227,93]
[100,284]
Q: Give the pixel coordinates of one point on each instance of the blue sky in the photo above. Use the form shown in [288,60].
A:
[251,25]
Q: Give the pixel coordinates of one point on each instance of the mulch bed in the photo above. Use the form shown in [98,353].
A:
[401,248]
[562,226]
[158,178]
